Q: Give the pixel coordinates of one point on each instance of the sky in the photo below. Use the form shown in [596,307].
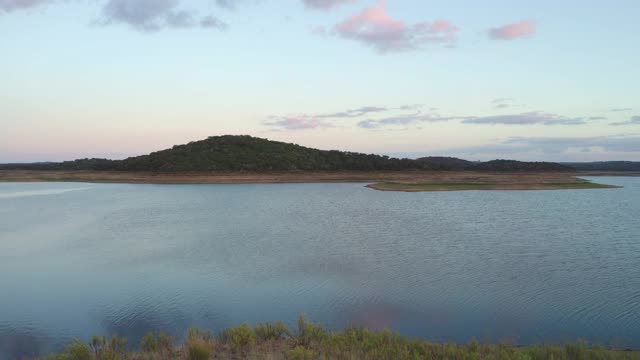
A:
[528,80]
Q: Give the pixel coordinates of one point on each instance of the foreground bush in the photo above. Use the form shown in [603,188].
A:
[311,341]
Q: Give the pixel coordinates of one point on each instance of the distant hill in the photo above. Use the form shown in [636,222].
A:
[447,163]
[452,163]
[250,154]
[606,166]
[514,166]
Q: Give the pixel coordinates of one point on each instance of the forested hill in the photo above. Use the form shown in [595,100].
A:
[251,154]
[246,153]
[238,153]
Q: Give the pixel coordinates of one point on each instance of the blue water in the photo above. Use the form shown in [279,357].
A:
[526,266]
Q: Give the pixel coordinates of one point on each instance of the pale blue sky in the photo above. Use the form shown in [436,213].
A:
[114,78]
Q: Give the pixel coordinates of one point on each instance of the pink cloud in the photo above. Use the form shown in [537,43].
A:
[325,4]
[522,29]
[374,27]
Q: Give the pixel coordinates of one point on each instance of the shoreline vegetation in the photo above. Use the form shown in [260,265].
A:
[531,182]
[309,341]
[407,181]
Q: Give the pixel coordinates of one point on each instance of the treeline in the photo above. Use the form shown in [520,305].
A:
[512,165]
[451,163]
[606,166]
[250,154]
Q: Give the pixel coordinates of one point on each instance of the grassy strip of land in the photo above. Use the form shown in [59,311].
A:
[407,180]
[312,341]
[410,187]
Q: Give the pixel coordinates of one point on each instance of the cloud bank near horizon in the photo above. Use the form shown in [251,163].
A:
[411,115]
[559,149]
[635,120]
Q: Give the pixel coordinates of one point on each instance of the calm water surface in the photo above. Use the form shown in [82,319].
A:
[529,266]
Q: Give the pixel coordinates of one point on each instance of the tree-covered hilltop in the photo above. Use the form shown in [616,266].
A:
[448,163]
[246,153]
[232,153]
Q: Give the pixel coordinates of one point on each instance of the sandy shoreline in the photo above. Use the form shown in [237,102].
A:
[410,181]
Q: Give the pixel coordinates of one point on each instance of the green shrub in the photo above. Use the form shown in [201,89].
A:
[165,342]
[149,343]
[269,332]
[473,346]
[239,337]
[309,333]
[157,343]
[300,353]
[577,351]
[107,349]
[78,350]
[198,350]
[195,333]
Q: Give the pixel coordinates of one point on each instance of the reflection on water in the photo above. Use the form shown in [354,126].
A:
[18,194]
[530,266]
[22,343]
[134,320]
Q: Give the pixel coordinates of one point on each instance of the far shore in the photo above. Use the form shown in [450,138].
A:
[409,181]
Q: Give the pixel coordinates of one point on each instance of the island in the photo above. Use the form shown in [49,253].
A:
[233,159]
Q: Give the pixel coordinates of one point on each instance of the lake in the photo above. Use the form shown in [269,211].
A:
[523,266]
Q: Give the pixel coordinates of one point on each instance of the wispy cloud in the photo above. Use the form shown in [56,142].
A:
[353,113]
[228,4]
[325,4]
[529,118]
[374,27]
[325,120]
[233,4]
[412,107]
[402,120]
[598,118]
[519,30]
[501,100]
[298,123]
[7,6]
[620,109]
[154,15]
[212,22]
[503,103]
[635,120]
